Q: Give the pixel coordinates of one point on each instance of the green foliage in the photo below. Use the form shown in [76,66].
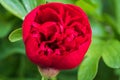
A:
[117,10]
[104,52]
[86,6]
[111,53]
[16,35]
[15,7]
[89,65]
[105,43]
[68,74]
[29,4]
[91,7]
[4,29]
[98,30]
[63,1]
[8,48]
[40,2]
[88,69]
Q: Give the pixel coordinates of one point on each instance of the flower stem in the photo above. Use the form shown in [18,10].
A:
[54,78]
[44,78]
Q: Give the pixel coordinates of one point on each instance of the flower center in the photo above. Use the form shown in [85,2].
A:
[53,38]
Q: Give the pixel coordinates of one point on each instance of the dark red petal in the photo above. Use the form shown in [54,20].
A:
[47,14]
[33,54]
[72,59]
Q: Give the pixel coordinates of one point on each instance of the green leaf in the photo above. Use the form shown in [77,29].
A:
[117,10]
[109,20]
[95,47]
[16,35]
[88,68]
[93,2]
[98,29]
[8,48]
[15,7]
[41,2]
[63,1]
[29,4]
[90,8]
[4,29]
[111,54]
[97,4]
[86,6]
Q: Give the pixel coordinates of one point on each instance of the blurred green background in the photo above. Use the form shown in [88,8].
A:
[102,61]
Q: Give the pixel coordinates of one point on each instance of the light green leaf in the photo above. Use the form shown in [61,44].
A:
[88,68]
[15,7]
[93,2]
[111,54]
[63,1]
[16,35]
[90,9]
[29,4]
[97,4]
[117,10]
[41,2]
[95,47]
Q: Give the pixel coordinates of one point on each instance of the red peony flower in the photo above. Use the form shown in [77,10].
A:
[56,35]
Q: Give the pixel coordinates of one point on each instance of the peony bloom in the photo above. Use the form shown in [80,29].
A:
[56,35]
